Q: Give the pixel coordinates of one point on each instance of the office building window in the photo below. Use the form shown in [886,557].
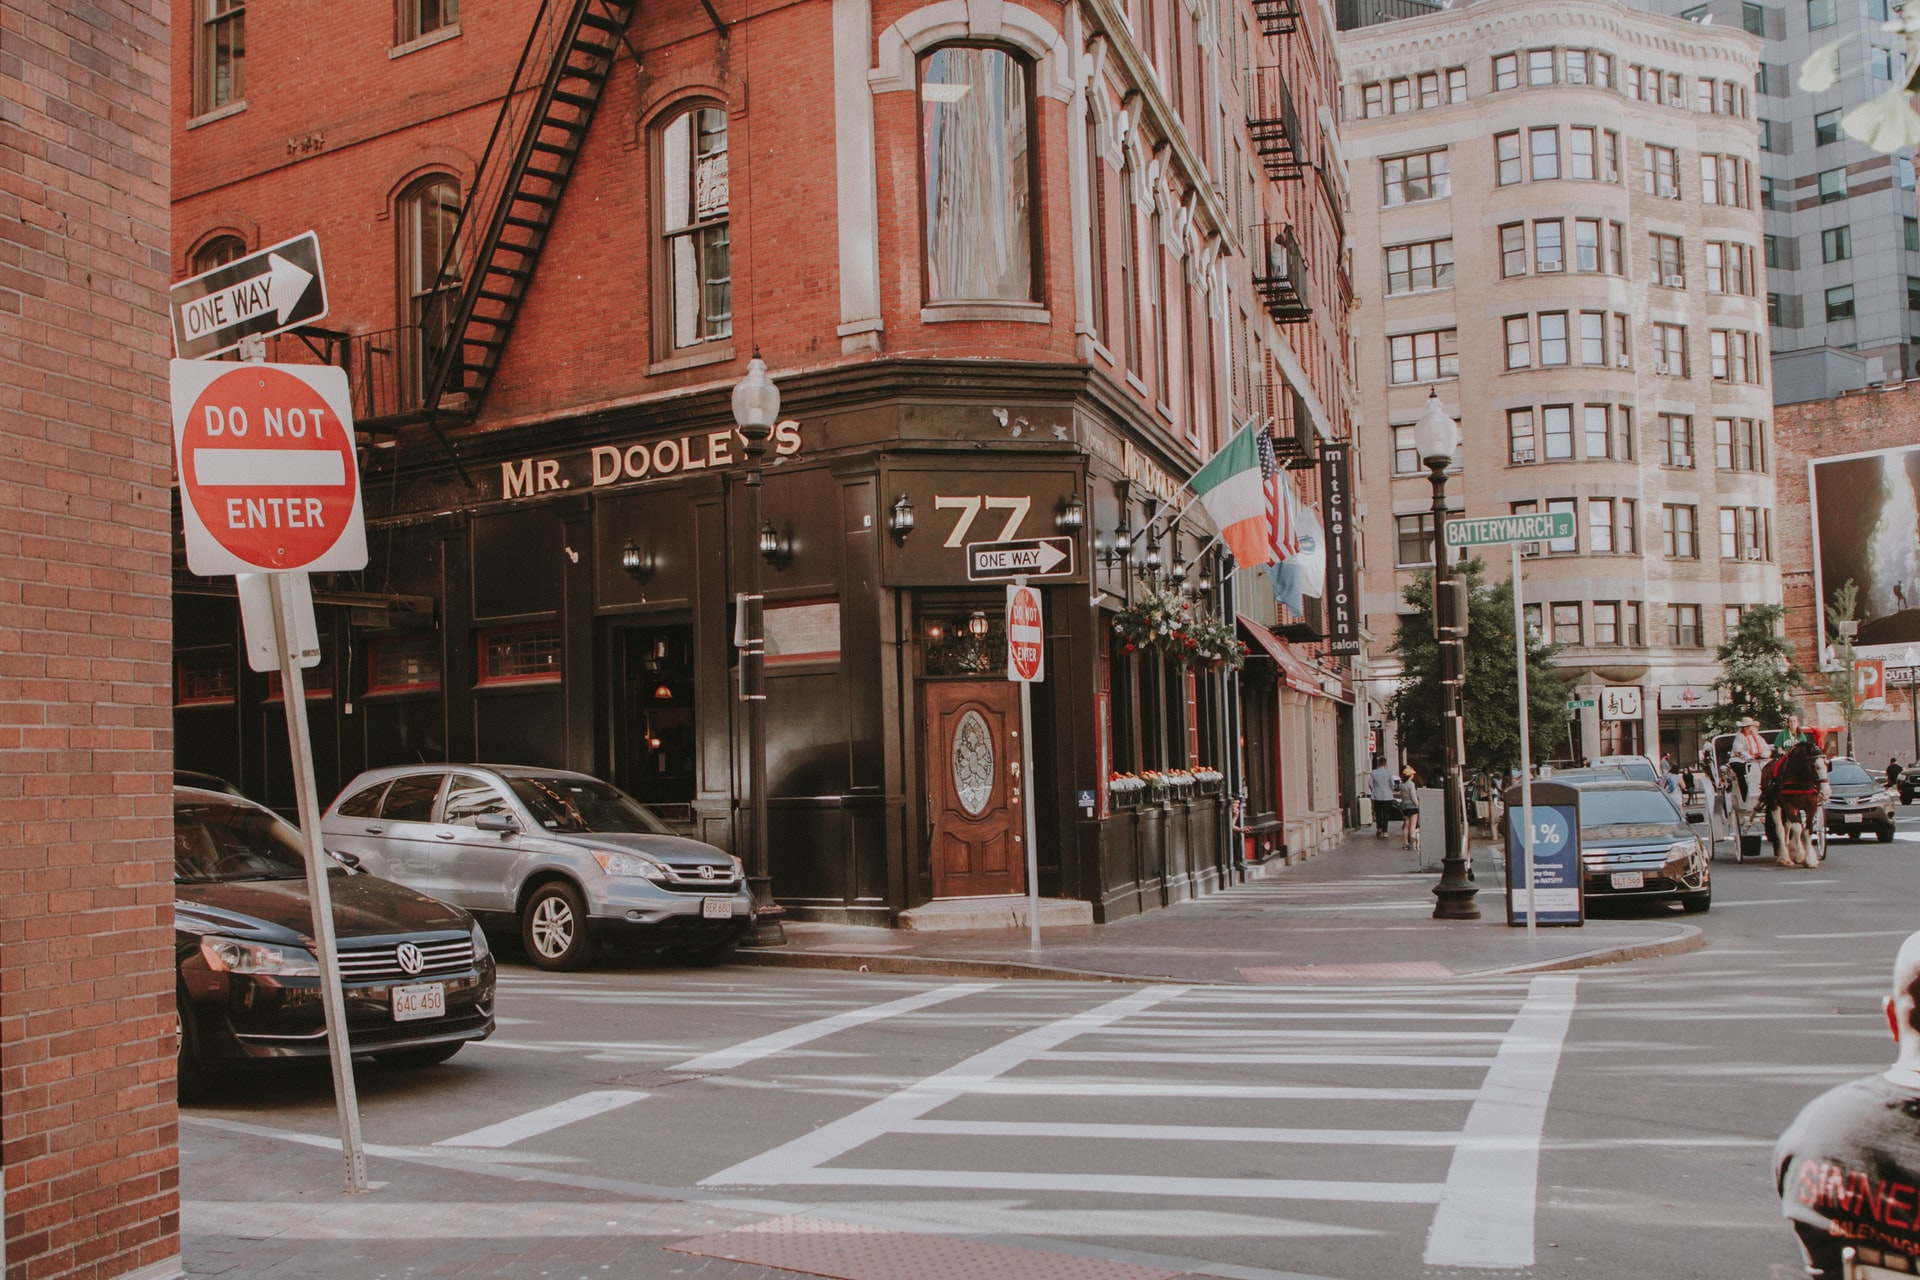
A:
[1520,441]
[1556,431]
[1606,622]
[1423,357]
[1576,68]
[1679,531]
[1826,127]
[1669,266]
[1661,168]
[1566,622]
[1746,533]
[1506,158]
[1833,185]
[1548,251]
[1513,249]
[1676,440]
[1406,458]
[1593,337]
[1670,350]
[1840,303]
[1753,19]
[1414,267]
[1740,444]
[1881,63]
[1597,431]
[1836,244]
[1553,338]
[1413,540]
[1420,176]
[1519,344]
[1586,244]
[1543,149]
[1539,66]
[981,170]
[1506,71]
[1820,13]
[1729,267]
[1564,546]
[1911,235]
[1683,626]
[1600,526]
[1456,84]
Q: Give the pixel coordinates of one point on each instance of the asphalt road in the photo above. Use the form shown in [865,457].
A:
[1613,1122]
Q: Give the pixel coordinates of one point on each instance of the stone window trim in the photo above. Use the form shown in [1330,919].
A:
[898,49]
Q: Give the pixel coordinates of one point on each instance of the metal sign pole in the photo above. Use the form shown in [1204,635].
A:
[333,1004]
[1026,796]
[1526,746]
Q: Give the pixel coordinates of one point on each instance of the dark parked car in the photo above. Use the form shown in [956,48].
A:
[206,782]
[1636,846]
[568,860]
[1858,803]
[416,974]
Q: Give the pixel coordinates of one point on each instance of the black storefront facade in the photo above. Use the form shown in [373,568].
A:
[563,593]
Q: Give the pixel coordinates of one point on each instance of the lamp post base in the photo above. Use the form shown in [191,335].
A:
[1455,901]
[768,929]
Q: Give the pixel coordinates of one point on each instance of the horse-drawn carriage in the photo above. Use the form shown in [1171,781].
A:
[1781,796]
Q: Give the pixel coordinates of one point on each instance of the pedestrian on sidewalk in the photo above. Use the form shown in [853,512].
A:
[1408,796]
[1380,792]
[1855,1151]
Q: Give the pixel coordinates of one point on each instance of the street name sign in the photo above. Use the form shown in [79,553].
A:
[268,475]
[268,292]
[1025,558]
[1534,526]
[1026,637]
[1580,704]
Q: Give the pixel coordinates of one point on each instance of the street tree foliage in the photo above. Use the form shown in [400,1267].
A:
[1758,676]
[1837,681]
[1490,696]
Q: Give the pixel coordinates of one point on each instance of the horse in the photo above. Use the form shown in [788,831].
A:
[1793,786]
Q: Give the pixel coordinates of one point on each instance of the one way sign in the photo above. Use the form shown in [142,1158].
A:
[276,289]
[1026,558]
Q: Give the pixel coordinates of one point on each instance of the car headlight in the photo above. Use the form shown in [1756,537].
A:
[230,955]
[739,867]
[629,865]
[1682,851]
[480,951]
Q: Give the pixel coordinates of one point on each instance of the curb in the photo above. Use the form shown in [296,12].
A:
[1689,938]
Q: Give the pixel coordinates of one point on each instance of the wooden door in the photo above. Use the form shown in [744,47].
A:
[974,794]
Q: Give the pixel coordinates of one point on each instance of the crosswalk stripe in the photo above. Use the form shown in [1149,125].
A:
[533,1123]
[790,1037]
[1183,1133]
[1124,1184]
[1280,1059]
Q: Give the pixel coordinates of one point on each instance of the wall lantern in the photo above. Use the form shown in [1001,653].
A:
[775,549]
[900,520]
[1073,515]
[638,566]
[977,625]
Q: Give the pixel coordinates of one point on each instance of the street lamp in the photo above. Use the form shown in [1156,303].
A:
[1435,437]
[756,404]
[1912,659]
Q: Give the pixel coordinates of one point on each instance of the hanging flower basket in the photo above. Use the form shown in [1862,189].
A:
[1167,624]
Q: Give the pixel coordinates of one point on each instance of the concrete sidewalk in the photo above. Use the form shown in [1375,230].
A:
[1362,911]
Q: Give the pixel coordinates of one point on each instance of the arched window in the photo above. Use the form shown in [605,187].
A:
[429,214]
[978,164]
[218,252]
[694,204]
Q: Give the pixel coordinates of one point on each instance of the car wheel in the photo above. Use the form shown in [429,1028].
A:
[1853,837]
[708,957]
[1695,903]
[553,927]
[430,1056]
[193,1084]
[1886,835]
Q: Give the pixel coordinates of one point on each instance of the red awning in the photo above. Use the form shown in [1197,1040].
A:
[1295,670]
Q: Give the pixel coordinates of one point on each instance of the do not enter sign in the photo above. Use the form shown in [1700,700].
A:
[1026,637]
[268,476]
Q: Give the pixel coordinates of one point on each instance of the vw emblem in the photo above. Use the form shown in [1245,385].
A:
[706,873]
[409,958]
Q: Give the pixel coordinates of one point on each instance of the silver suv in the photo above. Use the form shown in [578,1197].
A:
[568,860]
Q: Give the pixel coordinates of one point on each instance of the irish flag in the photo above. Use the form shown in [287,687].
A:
[1231,488]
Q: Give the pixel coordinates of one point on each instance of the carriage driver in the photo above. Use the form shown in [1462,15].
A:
[1748,748]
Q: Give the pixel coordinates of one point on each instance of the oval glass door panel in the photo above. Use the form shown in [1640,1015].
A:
[972,764]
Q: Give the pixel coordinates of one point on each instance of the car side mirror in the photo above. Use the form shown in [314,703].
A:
[501,822]
[1697,817]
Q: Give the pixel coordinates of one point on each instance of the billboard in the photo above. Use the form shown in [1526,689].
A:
[1866,529]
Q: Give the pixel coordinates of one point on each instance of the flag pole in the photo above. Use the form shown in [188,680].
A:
[1155,518]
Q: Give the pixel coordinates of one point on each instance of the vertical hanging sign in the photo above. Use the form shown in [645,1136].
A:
[1342,599]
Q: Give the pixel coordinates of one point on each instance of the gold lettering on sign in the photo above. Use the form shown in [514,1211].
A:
[1149,475]
[610,464]
[970,506]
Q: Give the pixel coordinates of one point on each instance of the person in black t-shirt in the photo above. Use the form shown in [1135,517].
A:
[1848,1168]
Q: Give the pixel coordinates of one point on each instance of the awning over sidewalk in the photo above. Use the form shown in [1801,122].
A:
[1295,670]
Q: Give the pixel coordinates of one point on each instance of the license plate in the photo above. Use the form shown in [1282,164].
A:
[716,908]
[1851,817]
[427,1000]
[1629,879]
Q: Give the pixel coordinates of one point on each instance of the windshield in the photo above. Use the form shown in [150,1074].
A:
[1635,768]
[1611,807]
[1846,773]
[216,844]
[578,805]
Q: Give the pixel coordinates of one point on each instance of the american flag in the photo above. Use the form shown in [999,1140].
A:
[1283,539]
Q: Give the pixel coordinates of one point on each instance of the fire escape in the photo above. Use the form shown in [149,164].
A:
[1278,17]
[438,370]
[1274,127]
[1279,274]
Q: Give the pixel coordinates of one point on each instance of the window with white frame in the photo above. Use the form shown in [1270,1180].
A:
[694,227]
[1549,250]
[1423,357]
[1676,440]
[1513,249]
[1543,154]
[1556,431]
[1519,330]
[1600,526]
[1739,444]
[1570,545]
[1661,168]
[1422,175]
[1670,349]
[1553,338]
[1412,268]
[980,175]
[1506,158]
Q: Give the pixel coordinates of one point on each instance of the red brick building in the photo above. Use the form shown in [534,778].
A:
[1856,423]
[1016,269]
[86,889]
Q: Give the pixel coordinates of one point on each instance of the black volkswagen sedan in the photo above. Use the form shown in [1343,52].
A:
[416,974]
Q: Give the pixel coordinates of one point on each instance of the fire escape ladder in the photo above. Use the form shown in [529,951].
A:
[515,195]
[1274,127]
[1278,17]
[1279,273]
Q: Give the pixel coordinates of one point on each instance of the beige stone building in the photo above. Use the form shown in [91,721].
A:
[1556,213]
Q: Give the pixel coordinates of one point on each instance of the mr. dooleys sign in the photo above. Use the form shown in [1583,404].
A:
[268,477]
[1026,637]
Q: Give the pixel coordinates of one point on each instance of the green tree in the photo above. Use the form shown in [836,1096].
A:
[1758,676]
[1488,699]
[1837,682]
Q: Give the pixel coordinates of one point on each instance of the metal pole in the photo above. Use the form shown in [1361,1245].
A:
[332,1002]
[1454,893]
[1526,748]
[767,930]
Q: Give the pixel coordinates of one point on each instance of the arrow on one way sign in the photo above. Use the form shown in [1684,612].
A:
[1026,558]
[275,289]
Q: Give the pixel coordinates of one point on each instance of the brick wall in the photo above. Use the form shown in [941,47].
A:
[86,896]
[1853,423]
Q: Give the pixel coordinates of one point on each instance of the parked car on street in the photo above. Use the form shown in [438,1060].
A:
[1858,803]
[1635,845]
[567,860]
[416,974]
[1639,768]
